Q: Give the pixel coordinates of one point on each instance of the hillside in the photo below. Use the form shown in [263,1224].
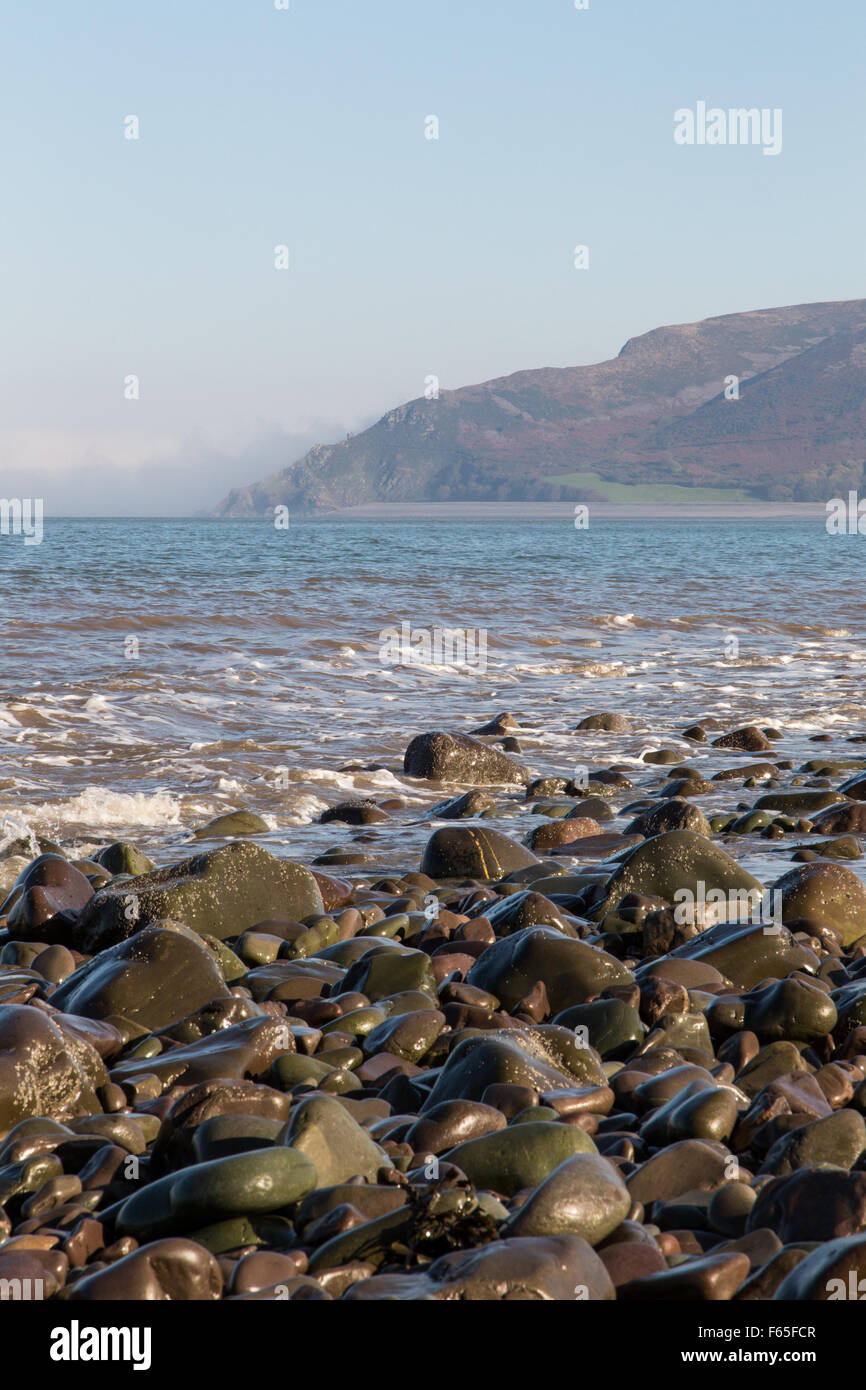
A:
[654,415]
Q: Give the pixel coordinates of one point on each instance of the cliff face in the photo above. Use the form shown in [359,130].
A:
[656,413]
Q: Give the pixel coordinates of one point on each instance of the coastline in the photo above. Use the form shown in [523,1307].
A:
[503,511]
[559,511]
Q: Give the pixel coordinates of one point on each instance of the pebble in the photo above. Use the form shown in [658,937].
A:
[506,1071]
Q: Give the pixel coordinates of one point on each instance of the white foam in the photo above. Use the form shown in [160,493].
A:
[345,781]
[97,704]
[230,786]
[303,810]
[98,807]
[616,619]
[14,827]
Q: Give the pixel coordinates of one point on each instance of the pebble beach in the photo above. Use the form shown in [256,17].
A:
[330,973]
[577,1061]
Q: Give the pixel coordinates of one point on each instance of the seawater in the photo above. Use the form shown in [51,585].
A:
[157,673]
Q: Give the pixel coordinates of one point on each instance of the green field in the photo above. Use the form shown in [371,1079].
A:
[651,492]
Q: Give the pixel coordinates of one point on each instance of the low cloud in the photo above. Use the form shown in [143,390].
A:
[86,474]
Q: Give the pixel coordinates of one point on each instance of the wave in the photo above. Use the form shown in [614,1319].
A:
[98,808]
[620,620]
[15,827]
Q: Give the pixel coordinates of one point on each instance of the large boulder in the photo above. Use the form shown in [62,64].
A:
[834,1272]
[155,978]
[335,1143]
[468,851]
[585,1196]
[826,892]
[172,1270]
[45,1068]
[466,807]
[390,969]
[812,1204]
[174,1146]
[572,971]
[608,723]
[491,1059]
[244,1184]
[674,814]
[548,837]
[123,858]
[220,893]
[46,897]
[520,1156]
[855,787]
[837,1139]
[527,909]
[440,757]
[261,1180]
[747,740]
[796,803]
[336,892]
[845,818]
[246,1049]
[230,824]
[692,1165]
[451,1122]
[796,1009]
[677,861]
[746,953]
[545,1269]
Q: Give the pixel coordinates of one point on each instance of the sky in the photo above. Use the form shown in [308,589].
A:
[307,128]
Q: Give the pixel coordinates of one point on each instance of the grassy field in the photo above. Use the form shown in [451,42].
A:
[652,492]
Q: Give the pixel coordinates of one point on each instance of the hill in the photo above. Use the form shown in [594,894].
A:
[652,417]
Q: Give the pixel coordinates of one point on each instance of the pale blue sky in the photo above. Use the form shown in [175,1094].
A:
[454,257]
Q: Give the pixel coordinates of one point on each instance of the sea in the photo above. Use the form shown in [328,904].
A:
[157,673]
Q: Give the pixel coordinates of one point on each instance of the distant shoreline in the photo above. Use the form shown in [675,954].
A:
[558,511]
[516,511]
